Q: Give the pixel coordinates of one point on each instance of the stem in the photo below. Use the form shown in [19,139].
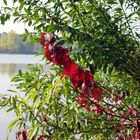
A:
[80,17]
[111,127]
[30,111]
[69,28]
[100,105]
[112,105]
[114,94]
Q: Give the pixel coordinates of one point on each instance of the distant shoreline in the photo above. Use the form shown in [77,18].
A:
[19,53]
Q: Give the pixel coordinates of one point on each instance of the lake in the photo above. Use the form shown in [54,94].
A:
[9,66]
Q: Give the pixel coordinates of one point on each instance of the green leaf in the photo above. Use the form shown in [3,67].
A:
[8,8]
[121,2]
[92,69]
[112,2]
[16,19]
[10,90]
[8,110]
[14,1]
[110,69]
[33,132]
[26,30]
[14,102]
[7,138]
[61,42]
[51,28]
[25,37]
[30,23]
[66,133]
[5,2]
[20,73]
[12,124]
[99,137]
[39,26]
[15,79]
[21,6]
[40,53]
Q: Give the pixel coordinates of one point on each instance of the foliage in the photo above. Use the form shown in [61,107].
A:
[45,105]
[101,36]
[106,27]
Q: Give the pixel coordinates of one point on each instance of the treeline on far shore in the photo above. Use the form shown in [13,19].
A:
[13,43]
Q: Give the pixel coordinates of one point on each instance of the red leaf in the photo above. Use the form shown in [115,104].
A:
[96,94]
[51,38]
[22,135]
[82,100]
[98,110]
[49,52]
[41,138]
[110,111]
[42,39]
[60,55]
[129,137]
[76,79]
[136,133]
[47,38]
[116,98]
[138,124]
[120,138]
[87,77]
[70,68]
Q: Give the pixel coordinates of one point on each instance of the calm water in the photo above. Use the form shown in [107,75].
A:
[9,66]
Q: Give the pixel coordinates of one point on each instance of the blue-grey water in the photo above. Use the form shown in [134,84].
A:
[9,66]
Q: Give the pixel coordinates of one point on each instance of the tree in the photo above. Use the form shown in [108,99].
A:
[101,36]
[14,43]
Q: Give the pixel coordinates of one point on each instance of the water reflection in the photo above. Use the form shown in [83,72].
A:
[9,66]
[7,71]
[10,69]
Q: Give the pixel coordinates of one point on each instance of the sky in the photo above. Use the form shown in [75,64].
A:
[8,26]
[17,27]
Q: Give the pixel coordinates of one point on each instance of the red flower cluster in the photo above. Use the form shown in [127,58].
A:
[22,135]
[47,38]
[128,137]
[82,79]
[41,137]
[98,109]
[138,124]
[137,129]
[54,53]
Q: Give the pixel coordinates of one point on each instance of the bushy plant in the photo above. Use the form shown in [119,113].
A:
[92,93]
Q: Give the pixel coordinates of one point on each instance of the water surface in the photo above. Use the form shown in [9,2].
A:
[9,66]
